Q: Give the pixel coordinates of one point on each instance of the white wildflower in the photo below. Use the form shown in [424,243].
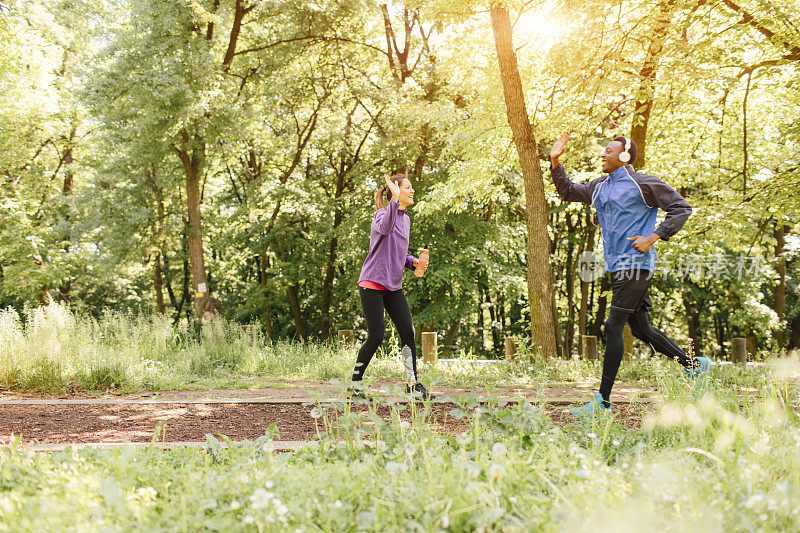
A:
[498,449]
[260,498]
[496,471]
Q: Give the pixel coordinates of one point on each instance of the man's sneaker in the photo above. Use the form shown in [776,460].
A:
[417,390]
[592,409]
[701,368]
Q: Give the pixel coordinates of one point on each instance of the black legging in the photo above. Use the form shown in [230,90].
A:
[641,329]
[374,301]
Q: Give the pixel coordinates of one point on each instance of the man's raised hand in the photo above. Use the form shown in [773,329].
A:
[558,149]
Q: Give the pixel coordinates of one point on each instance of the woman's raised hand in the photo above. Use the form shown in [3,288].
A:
[393,187]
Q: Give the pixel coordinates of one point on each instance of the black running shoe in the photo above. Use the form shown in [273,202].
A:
[419,391]
[356,393]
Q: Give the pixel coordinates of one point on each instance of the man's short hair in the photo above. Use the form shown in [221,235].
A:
[633,149]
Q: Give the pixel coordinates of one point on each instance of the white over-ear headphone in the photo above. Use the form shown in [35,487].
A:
[626,155]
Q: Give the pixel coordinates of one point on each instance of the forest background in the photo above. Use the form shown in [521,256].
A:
[153,148]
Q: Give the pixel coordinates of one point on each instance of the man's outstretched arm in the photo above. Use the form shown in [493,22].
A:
[567,190]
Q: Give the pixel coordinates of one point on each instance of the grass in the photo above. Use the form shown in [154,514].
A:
[698,464]
[717,457]
[52,349]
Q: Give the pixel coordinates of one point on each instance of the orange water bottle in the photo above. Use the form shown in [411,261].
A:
[422,264]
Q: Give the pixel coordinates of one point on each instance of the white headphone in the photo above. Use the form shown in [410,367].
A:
[626,155]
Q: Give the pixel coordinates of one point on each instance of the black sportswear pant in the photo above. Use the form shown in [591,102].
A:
[374,302]
[641,329]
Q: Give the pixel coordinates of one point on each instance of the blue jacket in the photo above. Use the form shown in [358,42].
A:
[627,204]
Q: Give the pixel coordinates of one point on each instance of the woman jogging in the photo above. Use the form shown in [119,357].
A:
[381,281]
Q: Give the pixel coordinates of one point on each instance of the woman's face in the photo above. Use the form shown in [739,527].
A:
[406,192]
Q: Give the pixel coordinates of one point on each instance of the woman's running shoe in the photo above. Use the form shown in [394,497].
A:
[356,393]
[418,390]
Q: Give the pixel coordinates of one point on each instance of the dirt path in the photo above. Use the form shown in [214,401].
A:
[191,422]
[386,388]
[246,414]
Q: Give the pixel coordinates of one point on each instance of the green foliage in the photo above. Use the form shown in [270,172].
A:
[298,115]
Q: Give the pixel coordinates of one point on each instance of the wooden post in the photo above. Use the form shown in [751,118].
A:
[251,331]
[429,346]
[511,348]
[739,350]
[589,343]
[751,346]
[346,336]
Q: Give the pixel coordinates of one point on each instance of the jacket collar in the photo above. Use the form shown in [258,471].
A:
[621,172]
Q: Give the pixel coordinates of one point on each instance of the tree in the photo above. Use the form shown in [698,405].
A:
[539,274]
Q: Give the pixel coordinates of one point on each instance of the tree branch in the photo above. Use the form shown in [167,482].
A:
[317,38]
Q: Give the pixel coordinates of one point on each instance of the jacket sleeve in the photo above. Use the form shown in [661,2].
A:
[570,191]
[659,194]
[384,219]
[410,262]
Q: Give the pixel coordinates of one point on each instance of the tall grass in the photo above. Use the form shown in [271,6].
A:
[53,349]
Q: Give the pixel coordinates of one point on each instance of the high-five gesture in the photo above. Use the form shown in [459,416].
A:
[393,187]
[558,149]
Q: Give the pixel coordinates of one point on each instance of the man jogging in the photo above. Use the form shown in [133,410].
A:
[627,204]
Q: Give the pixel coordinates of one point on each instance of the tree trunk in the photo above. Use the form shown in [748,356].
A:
[583,314]
[501,306]
[263,264]
[330,269]
[627,340]
[647,76]
[602,302]
[450,338]
[779,300]
[158,242]
[185,284]
[297,315]
[158,284]
[539,275]
[67,189]
[168,279]
[692,307]
[193,169]
[239,12]
[720,322]
[794,337]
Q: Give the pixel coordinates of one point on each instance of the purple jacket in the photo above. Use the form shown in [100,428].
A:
[388,248]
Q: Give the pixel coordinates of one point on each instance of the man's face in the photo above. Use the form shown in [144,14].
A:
[610,156]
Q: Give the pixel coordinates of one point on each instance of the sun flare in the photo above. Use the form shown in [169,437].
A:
[538,29]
